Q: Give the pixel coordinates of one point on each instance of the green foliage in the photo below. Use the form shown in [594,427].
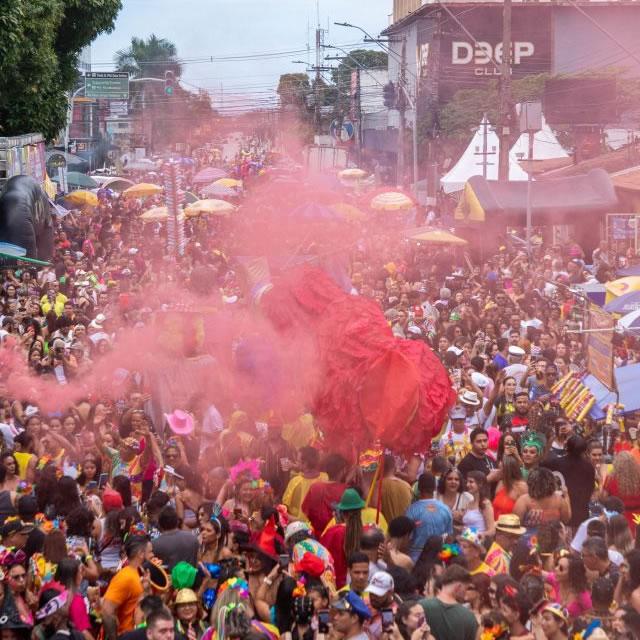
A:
[293,88]
[40,41]
[149,58]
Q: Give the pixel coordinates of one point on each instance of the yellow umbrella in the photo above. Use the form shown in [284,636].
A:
[210,206]
[155,214]
[142,190]
[619,287]
[352,174]
[437,236]
[391,201]
[348,211]
[228,182]
[82,198]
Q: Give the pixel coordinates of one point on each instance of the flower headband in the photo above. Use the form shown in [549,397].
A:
[24,488]
[136,529]
[236,584]
[448,551]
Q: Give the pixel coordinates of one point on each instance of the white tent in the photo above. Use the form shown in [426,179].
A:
[471,161]
[545,145]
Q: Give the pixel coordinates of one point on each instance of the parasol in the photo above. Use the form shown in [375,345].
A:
[155,214]
[218,191]
[352,174]
[229,182]
[209,207]
[391,201]
[630,322]
[82,198]
[142,190]
[209,174]
[437,236]
[348,211]
[626,303]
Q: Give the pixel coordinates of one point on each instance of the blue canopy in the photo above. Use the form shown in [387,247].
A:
[634,270]
[627,380]
[625,303]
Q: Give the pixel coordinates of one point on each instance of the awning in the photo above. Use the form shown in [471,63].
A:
[627,380]
[561,201]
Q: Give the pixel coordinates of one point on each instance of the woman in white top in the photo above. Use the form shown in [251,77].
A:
[479,513]
[451,493]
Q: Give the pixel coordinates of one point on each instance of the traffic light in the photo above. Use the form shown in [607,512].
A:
[169,83]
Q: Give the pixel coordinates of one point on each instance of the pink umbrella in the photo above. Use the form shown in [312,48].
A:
[209,174]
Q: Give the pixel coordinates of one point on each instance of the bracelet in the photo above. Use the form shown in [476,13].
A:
[267,580]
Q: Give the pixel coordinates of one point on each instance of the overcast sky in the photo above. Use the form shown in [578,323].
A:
[231,28]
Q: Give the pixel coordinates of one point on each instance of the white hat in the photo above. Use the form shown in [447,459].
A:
[516,351]
[457,413]
[31,411]
[479,380]
[469,397]
[295,527]
[457,350]
[380,584]
[98,321]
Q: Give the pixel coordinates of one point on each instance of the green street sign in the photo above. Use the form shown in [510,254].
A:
[107,85]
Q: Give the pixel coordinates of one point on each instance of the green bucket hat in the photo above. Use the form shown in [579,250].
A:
[350,501]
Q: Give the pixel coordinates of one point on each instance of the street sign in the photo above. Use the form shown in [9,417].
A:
[108,85]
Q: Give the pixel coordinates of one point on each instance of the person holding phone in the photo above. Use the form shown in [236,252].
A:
[411,623]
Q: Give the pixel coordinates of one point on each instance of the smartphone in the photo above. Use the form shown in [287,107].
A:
[283,560]
[102,481]
[92,485]
[323,621]
[387,619]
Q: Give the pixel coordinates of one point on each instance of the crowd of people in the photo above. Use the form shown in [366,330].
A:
[118,519]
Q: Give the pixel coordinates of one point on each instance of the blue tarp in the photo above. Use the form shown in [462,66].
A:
[629,271]
[625,303]
[627,380]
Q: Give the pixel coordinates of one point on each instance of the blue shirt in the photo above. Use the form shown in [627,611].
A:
[500,361]
[432,518]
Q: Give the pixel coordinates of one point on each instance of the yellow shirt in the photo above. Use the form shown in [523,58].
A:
[23,459]
[296,492]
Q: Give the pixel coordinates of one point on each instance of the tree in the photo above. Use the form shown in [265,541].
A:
[39,47]
[149,58]
[293,89]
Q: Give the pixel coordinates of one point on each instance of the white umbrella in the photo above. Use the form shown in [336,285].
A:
[630,322]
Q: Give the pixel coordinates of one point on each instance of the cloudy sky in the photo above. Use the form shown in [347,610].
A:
[237,49]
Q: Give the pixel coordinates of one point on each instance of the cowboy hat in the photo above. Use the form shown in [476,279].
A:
[180,422]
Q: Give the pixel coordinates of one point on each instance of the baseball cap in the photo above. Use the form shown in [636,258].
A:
[457,350]
[516,351]
[15,526]
[380,584]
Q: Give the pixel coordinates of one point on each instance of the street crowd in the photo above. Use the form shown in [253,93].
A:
[119,520]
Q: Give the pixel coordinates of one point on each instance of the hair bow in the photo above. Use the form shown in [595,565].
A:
[10,557]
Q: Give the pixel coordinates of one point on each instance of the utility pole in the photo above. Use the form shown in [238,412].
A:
[316,87]
[505,94]
[401,110]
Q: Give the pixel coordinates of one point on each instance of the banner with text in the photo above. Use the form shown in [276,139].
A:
[600,346]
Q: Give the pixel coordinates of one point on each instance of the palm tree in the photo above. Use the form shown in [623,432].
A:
[149,58]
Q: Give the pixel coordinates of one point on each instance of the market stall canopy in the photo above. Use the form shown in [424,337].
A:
[469,164]
[82,198]
[545,145]
[621,286]
[209,207]
[209,174]
[562,201]
[625,303]
[391,201]
[436,236]
[76,179]
[142,190]
[630,322]
[627,381]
